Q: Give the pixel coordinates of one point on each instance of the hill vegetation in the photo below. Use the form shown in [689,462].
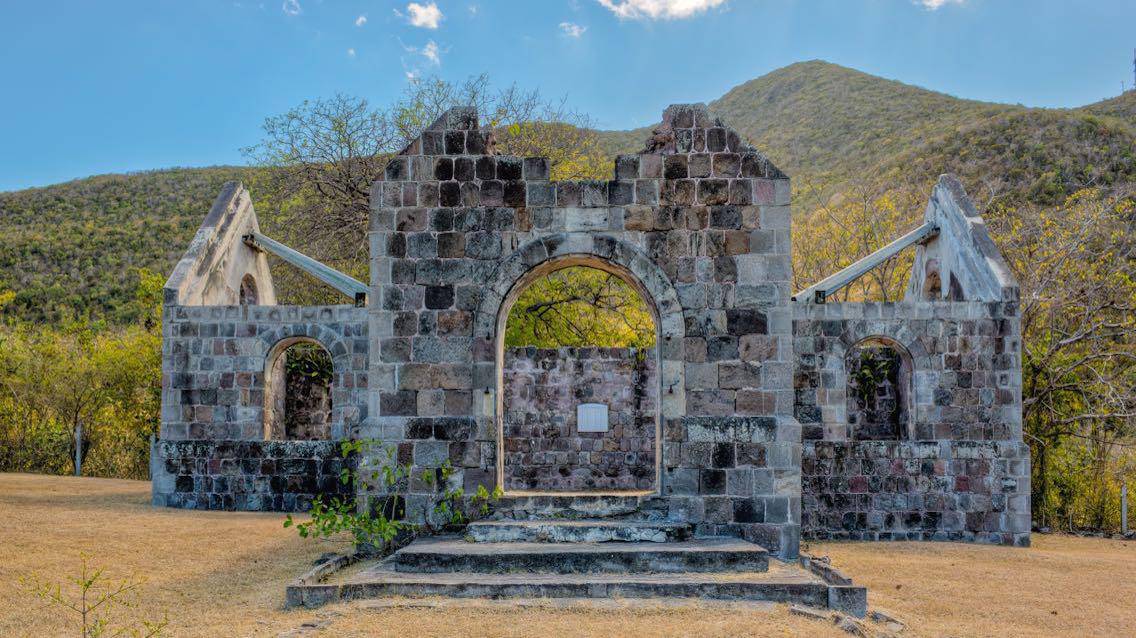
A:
[73,250]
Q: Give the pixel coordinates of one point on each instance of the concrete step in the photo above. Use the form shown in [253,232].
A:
[577,531]
[452,554]
[521,506]
[781,583]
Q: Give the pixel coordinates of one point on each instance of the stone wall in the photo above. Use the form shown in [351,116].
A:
[307,394]
[544,451]
[214,360]
[879,386]
[699,222]
[244,475]
[212,453]
[957,468]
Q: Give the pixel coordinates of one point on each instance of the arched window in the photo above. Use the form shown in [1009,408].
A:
[248,295]
[879,390]
[932,285]
[297,398]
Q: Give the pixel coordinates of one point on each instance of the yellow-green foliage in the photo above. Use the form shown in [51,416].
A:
[580,306]
[106,378]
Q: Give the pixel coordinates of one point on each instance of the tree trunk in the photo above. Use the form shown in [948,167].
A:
[78,448]
[1041,493]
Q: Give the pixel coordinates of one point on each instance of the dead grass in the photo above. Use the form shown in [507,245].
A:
[222,574]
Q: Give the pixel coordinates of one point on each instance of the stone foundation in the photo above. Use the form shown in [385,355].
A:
[915,490]
[278,476]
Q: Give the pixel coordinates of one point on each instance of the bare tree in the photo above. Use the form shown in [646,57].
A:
[324,155]
[1077,269]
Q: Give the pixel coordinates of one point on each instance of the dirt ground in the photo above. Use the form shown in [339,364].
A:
[223,574]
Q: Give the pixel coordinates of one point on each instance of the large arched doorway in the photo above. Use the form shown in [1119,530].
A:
[578,381]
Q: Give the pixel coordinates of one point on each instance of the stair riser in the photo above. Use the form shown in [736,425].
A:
[565,534]
[814,595]
[583,563]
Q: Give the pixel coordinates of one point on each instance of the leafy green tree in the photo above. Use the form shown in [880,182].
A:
[580,306]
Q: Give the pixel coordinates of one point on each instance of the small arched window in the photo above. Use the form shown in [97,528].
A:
[932,284]
[879,390]
[297,397]
[248,294]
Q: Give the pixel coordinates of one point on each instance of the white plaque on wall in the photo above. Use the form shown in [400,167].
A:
[591,417]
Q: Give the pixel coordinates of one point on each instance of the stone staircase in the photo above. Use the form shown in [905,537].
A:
[582,558]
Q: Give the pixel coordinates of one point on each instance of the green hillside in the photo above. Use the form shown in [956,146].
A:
[76,245]
[1035,155]
[1121,106]
[817,119]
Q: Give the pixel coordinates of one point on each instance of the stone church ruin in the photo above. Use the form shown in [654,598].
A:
[759,414]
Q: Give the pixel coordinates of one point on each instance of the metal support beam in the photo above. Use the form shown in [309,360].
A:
[345,284]
[829,286]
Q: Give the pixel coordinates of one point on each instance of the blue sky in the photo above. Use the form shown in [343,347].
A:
[117,85]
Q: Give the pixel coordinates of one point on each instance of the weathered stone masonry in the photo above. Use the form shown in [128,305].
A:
[958,469]
[543,448]
[753,435]
[699,224]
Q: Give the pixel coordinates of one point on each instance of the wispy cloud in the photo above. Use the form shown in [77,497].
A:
[572,30]
[291,7]
[360,21]
[431,52]
[473,9]
[931,5]
[661,9]
[350,53]
[426,16]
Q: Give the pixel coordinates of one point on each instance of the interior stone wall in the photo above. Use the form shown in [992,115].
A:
[214,360]
[544,451]
[878,388]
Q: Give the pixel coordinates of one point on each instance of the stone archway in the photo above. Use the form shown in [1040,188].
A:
[345,413]
[540,257]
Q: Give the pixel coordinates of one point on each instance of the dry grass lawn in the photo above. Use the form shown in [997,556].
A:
[222,574]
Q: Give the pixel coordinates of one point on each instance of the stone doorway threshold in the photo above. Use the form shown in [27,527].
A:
[529,563]
[584,494]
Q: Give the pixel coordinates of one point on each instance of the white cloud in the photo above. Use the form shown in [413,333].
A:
[473,9]
[350,53]
[660,9]
[291,7]
[572,30]
[426,16]
[431,52]
[360,21]
[931,5]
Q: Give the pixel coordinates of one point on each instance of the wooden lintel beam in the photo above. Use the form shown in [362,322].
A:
[829,286]
[345,284]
